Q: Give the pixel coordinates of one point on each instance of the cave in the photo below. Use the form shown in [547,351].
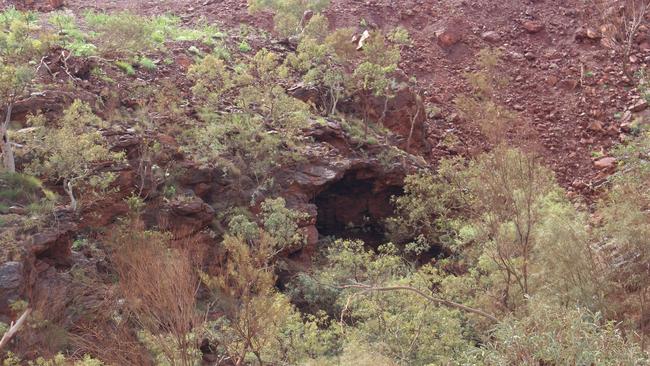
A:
[356,207]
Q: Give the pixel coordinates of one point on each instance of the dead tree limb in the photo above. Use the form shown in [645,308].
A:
[14,328]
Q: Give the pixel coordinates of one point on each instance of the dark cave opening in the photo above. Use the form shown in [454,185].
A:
[356,207]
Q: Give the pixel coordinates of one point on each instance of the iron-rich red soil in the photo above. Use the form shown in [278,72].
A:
[570,90]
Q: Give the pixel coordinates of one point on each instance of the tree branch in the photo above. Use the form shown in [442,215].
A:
[368,288]
[14,328]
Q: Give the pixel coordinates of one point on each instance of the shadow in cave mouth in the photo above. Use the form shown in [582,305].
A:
[355,208]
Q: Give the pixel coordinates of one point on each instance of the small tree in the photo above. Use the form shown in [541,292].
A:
[256,316]
[327,62]
[17,48]
[268,117]
[399,310]
[508,186]
[267,96]
[481,105]
[623,19]
[431,206]
[74,152]
[282,223]
[288,13]
[554,335]
[626,214]
[211,79]
[372,76]
[245,290]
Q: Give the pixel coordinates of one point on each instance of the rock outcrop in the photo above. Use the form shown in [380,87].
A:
[342,188]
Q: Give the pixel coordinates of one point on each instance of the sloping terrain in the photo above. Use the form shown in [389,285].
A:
[379,182]
[571,88]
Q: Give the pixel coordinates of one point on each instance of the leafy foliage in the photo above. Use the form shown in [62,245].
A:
[288,13]
[551,334]
[429,205]
[268,117]
[211,79]
[333,62]
[18,50]
[625,231]
[481,106]
[23,190]
[72,153]
[259,322]
[489,264]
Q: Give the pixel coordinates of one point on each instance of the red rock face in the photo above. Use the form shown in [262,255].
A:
[404,114]
[343,192]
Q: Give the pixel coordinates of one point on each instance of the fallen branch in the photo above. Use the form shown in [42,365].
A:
[347,305]
[369,288]
[65,65]
[14,328]
[42,63]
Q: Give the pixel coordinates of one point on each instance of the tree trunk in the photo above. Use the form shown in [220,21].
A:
[626,66]
[7,151]
[365,103]
[413,120]
[67,187]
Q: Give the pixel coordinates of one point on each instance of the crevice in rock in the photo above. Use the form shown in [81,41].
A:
[355,207]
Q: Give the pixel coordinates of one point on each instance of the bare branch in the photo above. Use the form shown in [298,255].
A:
[14,328]
[369,288]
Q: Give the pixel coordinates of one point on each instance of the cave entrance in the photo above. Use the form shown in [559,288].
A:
[356,207]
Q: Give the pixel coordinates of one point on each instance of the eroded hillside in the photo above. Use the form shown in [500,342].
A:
[313,182]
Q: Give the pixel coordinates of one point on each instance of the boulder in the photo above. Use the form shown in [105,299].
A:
[645,46]
[605,163]
[491,36]
[53,244]
[533,26]
[586,33]
[568,84]
[449,37]
[595,126]
[530,56]
[639,106]
[183,216]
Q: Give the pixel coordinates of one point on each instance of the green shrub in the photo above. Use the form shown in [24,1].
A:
[288,13]
[244,47]
[211,79]
[20,47]
[146,63]
[128,33]
[126,67]
[71,154]
[555,335]
[70,36]
[23,190]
